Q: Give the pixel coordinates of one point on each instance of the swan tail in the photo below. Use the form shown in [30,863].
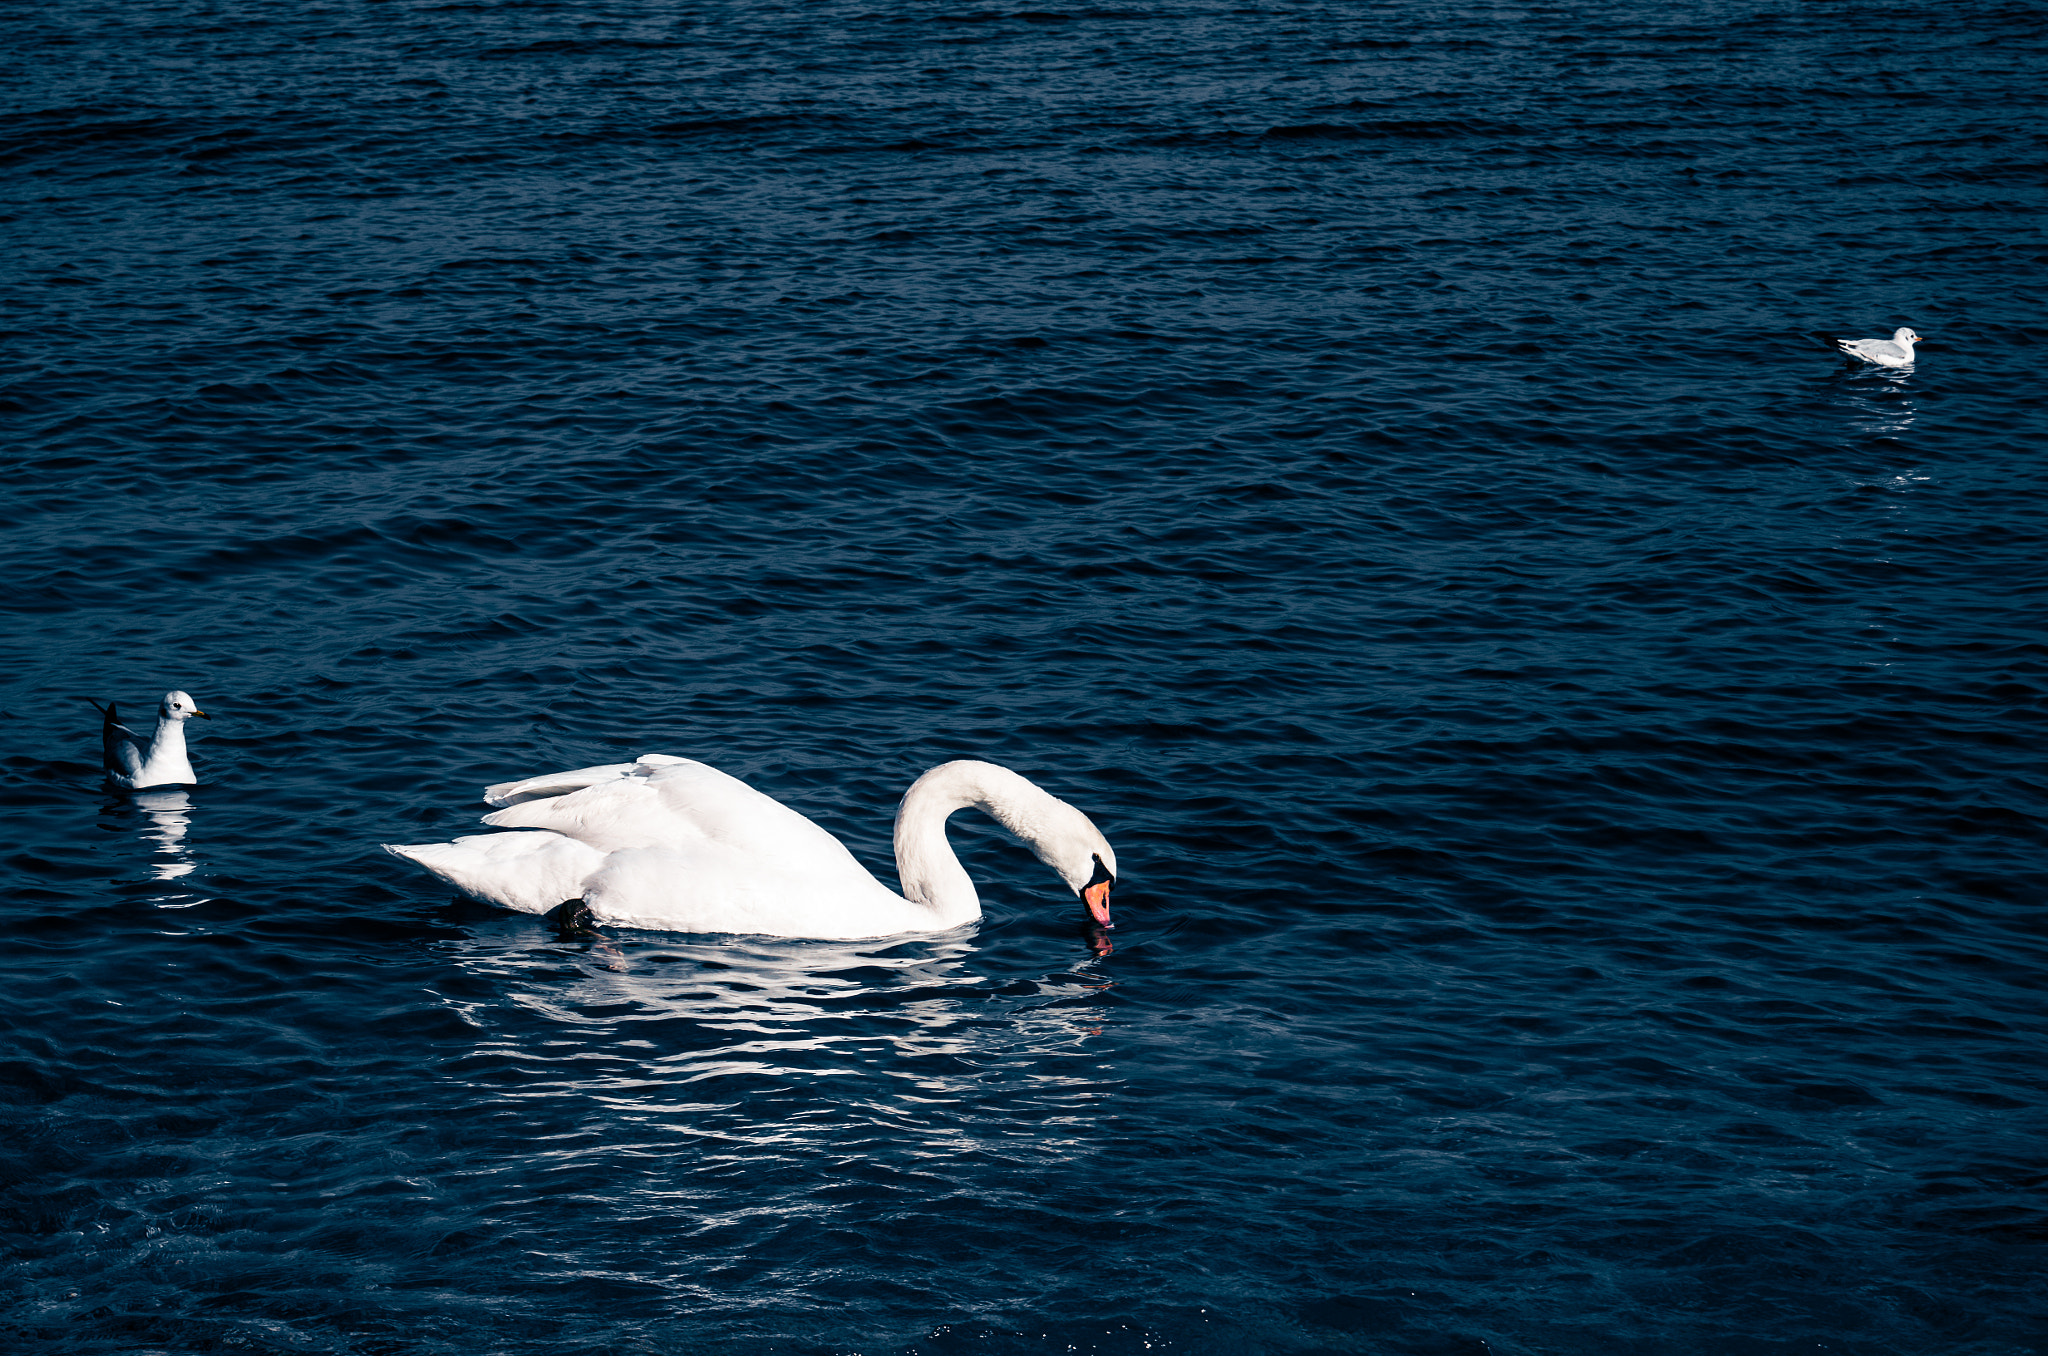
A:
[525,872]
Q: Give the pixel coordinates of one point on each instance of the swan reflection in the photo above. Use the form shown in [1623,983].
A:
[776,1044]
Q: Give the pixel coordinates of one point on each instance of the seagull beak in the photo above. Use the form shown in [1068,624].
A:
[1096,897]
[201,714]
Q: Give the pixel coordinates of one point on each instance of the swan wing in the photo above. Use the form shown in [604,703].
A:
[551,784]
[676,802]
[725,809]
[610,815]
[529,872]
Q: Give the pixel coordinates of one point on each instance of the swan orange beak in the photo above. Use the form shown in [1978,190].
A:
[1096,897]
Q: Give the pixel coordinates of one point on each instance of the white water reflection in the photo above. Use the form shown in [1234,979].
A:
[769,993]
[814,1045]
[169,818]
[1880,404]
[1877,408]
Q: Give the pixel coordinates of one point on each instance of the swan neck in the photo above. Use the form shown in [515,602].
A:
[926,866]
[930,873]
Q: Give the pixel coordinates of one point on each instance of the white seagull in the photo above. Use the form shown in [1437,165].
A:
[134,763]
[1896,351]
[672,845]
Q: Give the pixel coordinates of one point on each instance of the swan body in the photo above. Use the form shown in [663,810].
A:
[1896,351]
[674,845]
[134,763]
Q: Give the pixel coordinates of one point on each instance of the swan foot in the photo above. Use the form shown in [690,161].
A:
[573,921]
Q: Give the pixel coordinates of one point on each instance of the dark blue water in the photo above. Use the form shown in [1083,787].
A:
[1574,748]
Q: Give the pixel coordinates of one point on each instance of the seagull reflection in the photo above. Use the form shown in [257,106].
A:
[170,816]
[1878,408]
[1879,403]
[1889,410]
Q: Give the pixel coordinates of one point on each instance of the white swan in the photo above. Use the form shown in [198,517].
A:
[670,844]
[1896,351]
[134,763]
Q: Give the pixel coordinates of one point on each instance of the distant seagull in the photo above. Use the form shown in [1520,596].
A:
[134,763]
[1896,351]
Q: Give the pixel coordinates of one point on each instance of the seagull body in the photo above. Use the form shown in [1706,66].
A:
[1896,351]
[134,763]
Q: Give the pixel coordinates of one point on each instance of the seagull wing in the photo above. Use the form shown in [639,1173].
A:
[122,750]
[1881,351]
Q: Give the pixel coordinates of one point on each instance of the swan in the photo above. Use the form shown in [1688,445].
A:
[674,845]
[1896,351]
[134,763]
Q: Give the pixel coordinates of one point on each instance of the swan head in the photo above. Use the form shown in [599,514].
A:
[1068,841]
[179,706]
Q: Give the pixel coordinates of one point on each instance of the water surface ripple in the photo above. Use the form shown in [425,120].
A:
[1574,748]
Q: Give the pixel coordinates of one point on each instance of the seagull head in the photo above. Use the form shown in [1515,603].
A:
[180,706]
[1904,335]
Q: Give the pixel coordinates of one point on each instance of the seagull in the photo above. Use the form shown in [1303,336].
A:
[1896,351]
[134,763]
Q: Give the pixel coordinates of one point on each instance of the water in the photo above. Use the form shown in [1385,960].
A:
[1573,747]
